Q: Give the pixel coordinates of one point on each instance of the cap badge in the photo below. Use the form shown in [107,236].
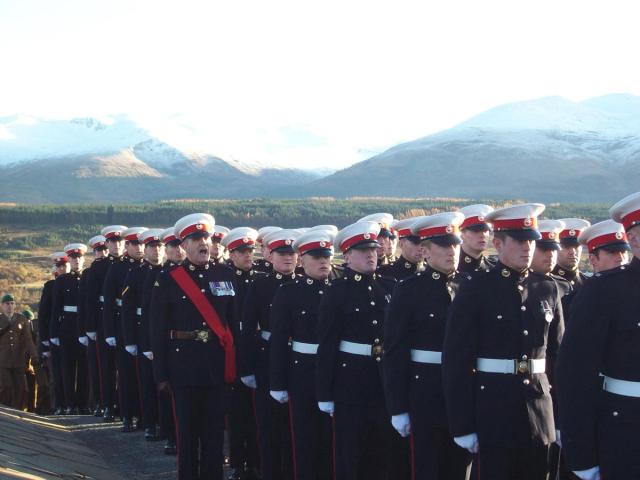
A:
[552,235]
[505,273]
[309,281]
[245,240]
[435,275]
[619,235]
[199,226]
[528,222]
[155,238]
[572,233]
[467,259]
[449,229]
[357,277]
[366,236]
[323,244]
[481,218]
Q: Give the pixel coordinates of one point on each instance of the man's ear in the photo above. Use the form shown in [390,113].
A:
[497,244]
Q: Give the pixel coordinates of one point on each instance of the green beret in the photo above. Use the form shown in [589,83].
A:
[8,298]
[28,314]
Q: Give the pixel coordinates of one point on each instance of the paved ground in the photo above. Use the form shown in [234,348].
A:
[77,447]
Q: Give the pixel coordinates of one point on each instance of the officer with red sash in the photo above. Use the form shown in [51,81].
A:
[193,353]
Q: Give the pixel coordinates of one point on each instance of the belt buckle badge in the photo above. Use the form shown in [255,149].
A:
[376,350]
[202,336]
[523,366]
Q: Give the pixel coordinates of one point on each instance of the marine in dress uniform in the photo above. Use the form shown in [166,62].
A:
[294,344]
[100,252]
[64,332]
[263,264]
[598,372]
[385,238]
[413,338]
[94,321]
[112,322]
[272,417]
[241,422]
[412,258]
[192,306]
[135,332]
[218,251]
[16,346]
[607,251]
[476,233]
[503,331]
[47,351]
[349,383]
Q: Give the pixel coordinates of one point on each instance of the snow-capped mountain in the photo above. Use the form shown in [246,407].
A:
[550,149]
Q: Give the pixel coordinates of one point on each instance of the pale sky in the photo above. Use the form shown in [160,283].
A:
[296,80]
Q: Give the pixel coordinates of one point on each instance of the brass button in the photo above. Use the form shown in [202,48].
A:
[375,322]
[373,303]
[526,381]
[378,359]
[523,308]
[525,332]
[615,414]
[524,357]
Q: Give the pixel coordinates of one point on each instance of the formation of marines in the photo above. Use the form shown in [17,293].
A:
[427,365]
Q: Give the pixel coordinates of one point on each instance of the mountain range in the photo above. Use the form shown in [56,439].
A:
[550,149]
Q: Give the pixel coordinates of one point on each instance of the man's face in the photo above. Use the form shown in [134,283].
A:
[544,260]
[100,253]
[115,246]
[362,260]
[134,249]
[197,249]
[603,260]
[411,251]
[76,262]
[442,258]
[63,268]
[8,308]
[475,242]
[284,262]
[242,258]
[569,257]
[154,253]
[175,253]
[516,254]
[217,249]
[318,268]
[385,246]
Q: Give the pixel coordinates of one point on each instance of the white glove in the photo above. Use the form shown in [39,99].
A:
[280,396]
[84,340]
[111,341]
[468,442]
[592,473]
[327,407]
[91,335]
[402,424]
[132,349]
[249,381]
[149,355]
[46,343]
[558,439]
[55,341]
[46,354]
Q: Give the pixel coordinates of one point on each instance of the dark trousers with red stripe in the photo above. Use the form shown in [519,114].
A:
[73,362]
[93,365]
[148,391]
[311,435]
[363,436]
[166,416]
[199,413]
[274,437]
[127,384]
[241,424]
[107,358]
[526,462]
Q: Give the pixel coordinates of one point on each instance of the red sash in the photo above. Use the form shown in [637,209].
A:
[188,286]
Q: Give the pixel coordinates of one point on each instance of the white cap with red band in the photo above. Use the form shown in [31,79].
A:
[604,234]
[359,234]
[383,219]
[201,223]
[150,235]
[264,231]
[627,211]
[97,241]
[281,239]
[220,232]
[573,227]
[550,230]
[475,215]
[169,235]
[240,237]
[59,257]
[438,225]
[131,233]
[75,249]
[315,240]
[403,227]
[113,231]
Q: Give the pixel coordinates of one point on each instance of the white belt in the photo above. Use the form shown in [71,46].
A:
[119,302]
[301,347]
[138,311]
[265,334]
[426,356]
[70,308]
[621,387]
[499,365]
[101,299]
[360,348]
